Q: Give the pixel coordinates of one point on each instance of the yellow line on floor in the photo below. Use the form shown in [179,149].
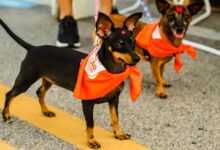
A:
[4,146]
[64,126]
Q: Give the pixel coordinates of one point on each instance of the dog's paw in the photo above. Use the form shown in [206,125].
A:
[6,117]
[94,144]
[122,136]
[162,95]
[49,114]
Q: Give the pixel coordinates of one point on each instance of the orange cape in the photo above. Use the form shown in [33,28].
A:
[150,39]
[95,82]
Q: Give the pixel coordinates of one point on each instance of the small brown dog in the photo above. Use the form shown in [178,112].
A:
[172,28]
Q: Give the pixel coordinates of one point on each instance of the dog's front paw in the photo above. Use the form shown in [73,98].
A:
[94,144]
[123,136]
[162,95]
[49,114]
[6,116]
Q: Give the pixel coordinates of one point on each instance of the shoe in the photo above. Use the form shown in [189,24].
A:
[68,33]
[115,10]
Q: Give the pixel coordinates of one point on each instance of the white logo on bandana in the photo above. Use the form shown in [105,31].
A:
[94,66]
[156,33]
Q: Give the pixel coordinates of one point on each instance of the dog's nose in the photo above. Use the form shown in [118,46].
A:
[179,29]
[136,58]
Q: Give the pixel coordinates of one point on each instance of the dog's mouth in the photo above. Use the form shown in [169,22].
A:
[179,34]
[130,64]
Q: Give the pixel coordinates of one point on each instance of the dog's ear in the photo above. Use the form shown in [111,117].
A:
[131,21]
[104,25]
[162,6]
[195,8]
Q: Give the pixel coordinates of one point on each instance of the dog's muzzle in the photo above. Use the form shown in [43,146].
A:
[179,32]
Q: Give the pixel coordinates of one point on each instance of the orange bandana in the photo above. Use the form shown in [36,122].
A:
[95,82]
[150,39]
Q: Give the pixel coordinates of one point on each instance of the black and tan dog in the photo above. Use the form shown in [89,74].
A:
[172,27]
[60,66]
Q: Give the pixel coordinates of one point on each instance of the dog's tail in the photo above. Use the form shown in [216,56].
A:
[15,37]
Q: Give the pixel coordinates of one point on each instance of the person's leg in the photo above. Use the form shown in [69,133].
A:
[68,31]
[106,6]
[65,8]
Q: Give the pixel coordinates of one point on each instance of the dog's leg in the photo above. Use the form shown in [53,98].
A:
[22,83]
[5,112]
[88,107]
[41,94]
[156,70]
[165,84]
[113,106]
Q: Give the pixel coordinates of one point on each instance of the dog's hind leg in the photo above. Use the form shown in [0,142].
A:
[113,106]
[41,94]
[88,107]
[22,83]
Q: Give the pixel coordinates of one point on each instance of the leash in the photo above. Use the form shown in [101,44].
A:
[96,10]
[97,39]
[147,11]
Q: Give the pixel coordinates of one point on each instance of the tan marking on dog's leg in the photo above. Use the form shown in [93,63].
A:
[45,86]
[6,112]
[114,119]
[118,134]
[91,140]
[156,70]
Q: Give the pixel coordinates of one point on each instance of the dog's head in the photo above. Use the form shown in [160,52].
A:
[119,41]
[176,18]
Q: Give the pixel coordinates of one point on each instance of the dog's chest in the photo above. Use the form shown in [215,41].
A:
[109,96]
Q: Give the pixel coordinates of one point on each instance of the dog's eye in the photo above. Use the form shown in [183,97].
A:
[171,17]
[186,17]
[118,45]
[132,41]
